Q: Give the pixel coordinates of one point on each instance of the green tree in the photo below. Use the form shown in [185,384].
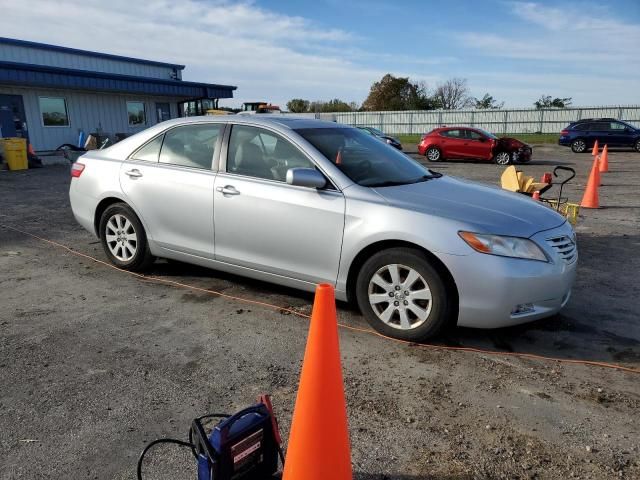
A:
[335,105]
[487,103]
[398,93]
[545,101]
[298,105]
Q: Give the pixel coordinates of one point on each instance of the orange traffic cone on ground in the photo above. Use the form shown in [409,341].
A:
[604,160]
[594,152]
[596,166]
[590,197]
[318,447]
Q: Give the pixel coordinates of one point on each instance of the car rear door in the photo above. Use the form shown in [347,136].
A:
[170,180]
[265,224]
[600,131]
[453,143]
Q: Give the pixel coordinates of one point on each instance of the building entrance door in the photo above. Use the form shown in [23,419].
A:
[163,111]
[13,122]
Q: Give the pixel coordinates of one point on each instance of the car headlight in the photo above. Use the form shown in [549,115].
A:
[503,246]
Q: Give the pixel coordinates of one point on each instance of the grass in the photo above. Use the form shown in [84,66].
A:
[530,138]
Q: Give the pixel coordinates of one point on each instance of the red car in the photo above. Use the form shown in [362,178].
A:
[472,143]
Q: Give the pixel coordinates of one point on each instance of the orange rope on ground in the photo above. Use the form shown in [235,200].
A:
[341,325]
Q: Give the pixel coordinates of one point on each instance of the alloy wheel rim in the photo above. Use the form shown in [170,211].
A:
[121,237]
[433,154]
[400,297]
[502,158]
[580,146]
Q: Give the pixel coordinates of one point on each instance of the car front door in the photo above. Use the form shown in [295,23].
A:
[477,145]
[620,135]
[170,181]
[265,224]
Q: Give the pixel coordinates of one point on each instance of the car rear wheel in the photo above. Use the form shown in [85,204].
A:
[502,158]
[433,154]
[401,295]
[579,146]
[123,238]
[637,145]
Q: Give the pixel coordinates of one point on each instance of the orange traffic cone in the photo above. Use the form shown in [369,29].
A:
[604,160]
[594,152]
[318,447]
[596,166]
[590,198]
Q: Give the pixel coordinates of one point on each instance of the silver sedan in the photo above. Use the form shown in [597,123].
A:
[298,202]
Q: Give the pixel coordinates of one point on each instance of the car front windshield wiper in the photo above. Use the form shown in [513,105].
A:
[395,183]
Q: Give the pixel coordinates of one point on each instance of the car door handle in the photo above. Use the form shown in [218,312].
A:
[134,173]
[228,190]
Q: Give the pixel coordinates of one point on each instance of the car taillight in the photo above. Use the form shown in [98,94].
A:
[564,132]
[77,169]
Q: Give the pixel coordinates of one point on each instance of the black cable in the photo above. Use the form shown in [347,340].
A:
[155,442]
[208,415]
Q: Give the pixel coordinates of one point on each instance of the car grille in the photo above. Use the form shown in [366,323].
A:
[565,247]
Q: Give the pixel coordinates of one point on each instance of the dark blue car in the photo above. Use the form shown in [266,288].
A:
[581,135]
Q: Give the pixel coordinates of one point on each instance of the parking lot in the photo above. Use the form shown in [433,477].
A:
[95,362]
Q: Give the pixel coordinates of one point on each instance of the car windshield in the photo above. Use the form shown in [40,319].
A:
[488,134]
[364,159]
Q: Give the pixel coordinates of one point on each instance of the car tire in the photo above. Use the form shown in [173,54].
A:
[123,238]
[579,145]
[502,158]
[415,307]
[433,154]
[637,145]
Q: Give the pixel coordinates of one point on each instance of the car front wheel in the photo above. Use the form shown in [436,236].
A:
[433,154]
[123,238]
[579,146]
[502,158]
[401,295]
[637,145]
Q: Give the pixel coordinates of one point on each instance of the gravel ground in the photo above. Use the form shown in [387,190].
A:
[94,363]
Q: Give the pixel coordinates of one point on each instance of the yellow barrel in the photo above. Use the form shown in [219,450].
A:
[14,150]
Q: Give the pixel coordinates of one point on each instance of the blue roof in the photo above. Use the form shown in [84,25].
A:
[88,53]
[26,74]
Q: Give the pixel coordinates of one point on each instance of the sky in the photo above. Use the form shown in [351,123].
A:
[322,49]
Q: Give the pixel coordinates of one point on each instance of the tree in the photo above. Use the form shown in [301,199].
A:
[545,101]
[487,103]
[298,105]
[397,93]
[335,105]
[453,94]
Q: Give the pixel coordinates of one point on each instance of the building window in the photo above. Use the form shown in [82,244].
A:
[54,112]
[136,113]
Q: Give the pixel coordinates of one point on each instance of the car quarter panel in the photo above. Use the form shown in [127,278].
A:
[99,180]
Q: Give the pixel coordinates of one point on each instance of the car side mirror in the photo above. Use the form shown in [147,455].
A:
[306,177]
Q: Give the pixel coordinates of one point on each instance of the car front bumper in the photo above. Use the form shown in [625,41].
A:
[491,288]
[564,141]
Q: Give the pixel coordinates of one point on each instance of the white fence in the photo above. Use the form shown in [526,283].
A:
[497,121]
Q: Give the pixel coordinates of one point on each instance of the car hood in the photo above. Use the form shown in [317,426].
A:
[511,143]
[484,208]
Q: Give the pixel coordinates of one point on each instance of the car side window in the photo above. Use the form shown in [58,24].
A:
[617,126]
[150,151]
[474,135]
[600,126]
[452,133]
[191,145]
[259,153]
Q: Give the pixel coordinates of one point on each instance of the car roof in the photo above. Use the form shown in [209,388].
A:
[124,148]
[582,120]
[288,121]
